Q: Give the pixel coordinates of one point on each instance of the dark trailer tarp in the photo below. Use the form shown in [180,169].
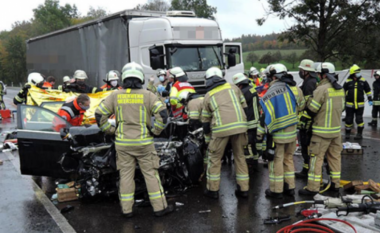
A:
[95,47]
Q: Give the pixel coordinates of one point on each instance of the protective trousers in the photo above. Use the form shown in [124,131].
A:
[350,112]
[216,151]
[282,167]
[305,136]
[250,150]
[375,112]
[319,146]
[149,163]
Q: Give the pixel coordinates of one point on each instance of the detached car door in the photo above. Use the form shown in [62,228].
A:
[39,140]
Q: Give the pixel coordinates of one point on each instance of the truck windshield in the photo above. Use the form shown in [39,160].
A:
[195,58]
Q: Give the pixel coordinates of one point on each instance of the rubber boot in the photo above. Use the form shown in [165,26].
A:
[359,134]
[348,134]
[303,173]
[372,123]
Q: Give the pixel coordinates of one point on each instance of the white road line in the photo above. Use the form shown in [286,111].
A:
[61,221]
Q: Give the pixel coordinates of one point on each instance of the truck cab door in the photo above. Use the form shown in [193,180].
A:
[157,55]
[232,59]
[39,140]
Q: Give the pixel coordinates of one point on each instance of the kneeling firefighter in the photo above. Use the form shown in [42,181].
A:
[133,107]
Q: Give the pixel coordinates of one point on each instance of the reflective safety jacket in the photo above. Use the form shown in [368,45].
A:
[72,113]
[175,91]
[328,104]
[252,111]
[223,109]
[299,98]
[133,109]
[194,110]
[279,107]
[355,91]
[376,92]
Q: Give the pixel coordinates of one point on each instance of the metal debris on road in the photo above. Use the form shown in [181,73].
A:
[204,211]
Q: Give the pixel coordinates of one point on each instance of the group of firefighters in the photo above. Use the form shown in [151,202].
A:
[257,116]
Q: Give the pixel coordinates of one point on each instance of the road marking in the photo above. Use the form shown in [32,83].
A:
[61,221]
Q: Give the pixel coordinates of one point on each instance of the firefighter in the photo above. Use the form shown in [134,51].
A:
[66,82]
[253,76]
[279,116]
[376,99]
[252,113]
[112,81]
[309,77]
[180,85]
[79,85]
[159,87]
[49,83]
[193,103]
[134,107]
[73,111]
[355,87]
[223,117]
[325,107]
[33,79]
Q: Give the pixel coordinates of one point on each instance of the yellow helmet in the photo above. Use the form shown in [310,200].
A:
[354,69]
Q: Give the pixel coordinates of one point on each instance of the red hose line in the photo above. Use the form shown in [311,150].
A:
[305,226]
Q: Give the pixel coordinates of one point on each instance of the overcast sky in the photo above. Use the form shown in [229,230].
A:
[235,17]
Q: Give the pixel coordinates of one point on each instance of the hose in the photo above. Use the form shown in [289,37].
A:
[305,226]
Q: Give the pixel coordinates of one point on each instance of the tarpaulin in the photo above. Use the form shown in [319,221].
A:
[37,96]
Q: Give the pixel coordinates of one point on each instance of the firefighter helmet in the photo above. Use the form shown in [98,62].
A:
[239,78]
[133,70]
[212,72]
[354,69]
[307,65]
[80,74]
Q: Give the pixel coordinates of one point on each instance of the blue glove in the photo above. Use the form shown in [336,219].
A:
[160,88]
[370,103]
[166,101]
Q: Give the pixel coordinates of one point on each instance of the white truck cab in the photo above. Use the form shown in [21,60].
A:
[194,44]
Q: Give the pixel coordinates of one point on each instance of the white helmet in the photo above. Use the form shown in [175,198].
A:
[66,79]
[161,72]
[133,70]
[80,74]
[35,78]
[277,70]
[239,78]
[213,71]
[307,65]
[112,75]
[376,73]
[253,71]
[177,72]
[183,96]
[326,68]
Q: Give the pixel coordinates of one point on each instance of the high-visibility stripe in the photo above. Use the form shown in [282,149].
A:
[193,114]
[159,124]
[314,104]
[205,114]
[328,116]
[242,177]
[288,174]
[157,106]
[229,126]
[356,95]
[361,124]
[219,88]
[216,111]
[255,108]
[236,106]
[127,197]
[282,135]
[207,138]
[103,109]
[134,142]
[155,195]
[105,126]
[213,177]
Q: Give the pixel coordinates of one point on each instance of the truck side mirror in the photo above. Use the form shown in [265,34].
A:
[157,57]
[231,57]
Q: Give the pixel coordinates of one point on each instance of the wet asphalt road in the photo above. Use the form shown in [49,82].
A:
[22,210]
